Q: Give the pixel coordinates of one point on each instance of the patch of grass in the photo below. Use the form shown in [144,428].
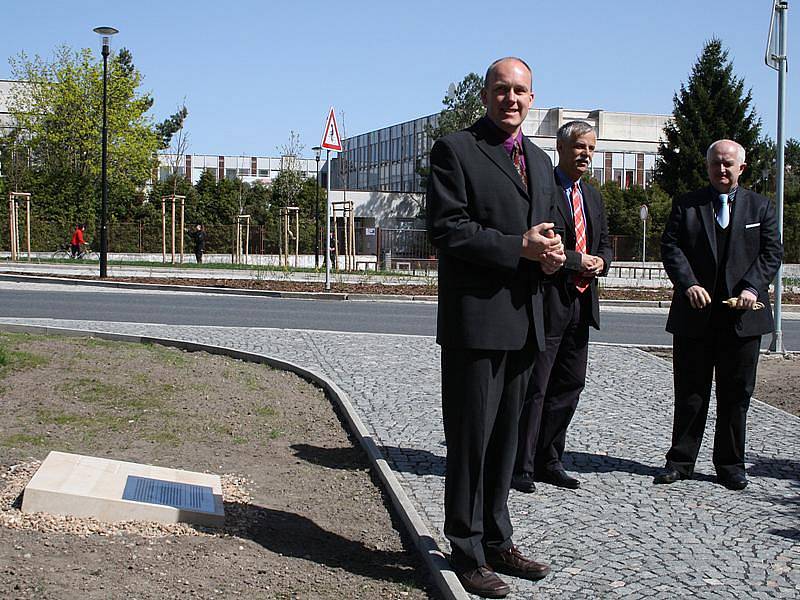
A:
[18,360]
[266,412]
[164,437]
[110,395]
[140,379]
[52,417]
[16,338]
[92,342]
[274,434]
[16,440]
[171,356]
[251,381]
[92,390]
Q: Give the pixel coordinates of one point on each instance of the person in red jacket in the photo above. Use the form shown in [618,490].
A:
[78,240]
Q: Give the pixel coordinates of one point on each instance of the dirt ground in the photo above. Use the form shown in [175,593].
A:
[777,380]
[304,519]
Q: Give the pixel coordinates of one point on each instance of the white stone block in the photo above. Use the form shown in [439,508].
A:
[113,490]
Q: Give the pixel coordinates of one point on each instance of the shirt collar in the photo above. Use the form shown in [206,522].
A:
[508,144]
[563,180]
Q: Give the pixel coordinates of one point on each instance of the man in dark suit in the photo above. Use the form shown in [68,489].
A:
[720,243]
[571,306]
[490,193]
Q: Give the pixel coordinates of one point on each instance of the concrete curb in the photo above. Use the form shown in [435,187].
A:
[438,566]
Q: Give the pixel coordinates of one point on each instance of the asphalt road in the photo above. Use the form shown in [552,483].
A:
[412,318]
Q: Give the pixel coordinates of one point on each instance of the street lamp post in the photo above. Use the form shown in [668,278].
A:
[317,150]
[106,33]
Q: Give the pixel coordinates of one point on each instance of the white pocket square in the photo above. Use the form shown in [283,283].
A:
[749,225]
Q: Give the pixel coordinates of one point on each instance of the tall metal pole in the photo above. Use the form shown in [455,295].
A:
[328,223]
[781,8]
[317,150]
[644,241]
[106,33]
[104,206]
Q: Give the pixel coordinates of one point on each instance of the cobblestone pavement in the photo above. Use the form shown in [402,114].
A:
[618,536]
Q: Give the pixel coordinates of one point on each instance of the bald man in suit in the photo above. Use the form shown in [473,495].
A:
[720,242]
[490,195]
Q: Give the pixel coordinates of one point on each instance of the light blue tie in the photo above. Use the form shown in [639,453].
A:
[724,214]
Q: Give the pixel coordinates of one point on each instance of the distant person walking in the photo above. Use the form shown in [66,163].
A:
[199,237]
[720,242]
[78,241]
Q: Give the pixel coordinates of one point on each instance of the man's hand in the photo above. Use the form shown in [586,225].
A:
[592,265]
[553,261]
[746,300]
[540,240]
[698,296]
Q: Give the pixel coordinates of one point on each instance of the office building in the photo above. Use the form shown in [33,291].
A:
[389,159]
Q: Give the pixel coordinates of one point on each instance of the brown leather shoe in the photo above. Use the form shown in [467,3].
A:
[484,582]
[512,562]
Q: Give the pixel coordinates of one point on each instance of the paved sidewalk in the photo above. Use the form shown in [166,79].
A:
[618,536]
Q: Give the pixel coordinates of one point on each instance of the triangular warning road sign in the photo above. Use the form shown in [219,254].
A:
[331,139]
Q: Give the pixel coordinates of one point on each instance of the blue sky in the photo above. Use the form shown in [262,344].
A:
[252,71]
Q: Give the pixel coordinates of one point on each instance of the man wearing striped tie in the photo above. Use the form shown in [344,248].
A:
[720,243]
[570,306]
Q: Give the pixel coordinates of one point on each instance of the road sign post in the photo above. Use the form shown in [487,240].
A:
[330,141]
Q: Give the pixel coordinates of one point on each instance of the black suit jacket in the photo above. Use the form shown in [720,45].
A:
[689,253]
[558,291]
[477,209]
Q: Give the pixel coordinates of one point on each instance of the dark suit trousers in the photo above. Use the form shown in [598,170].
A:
[734,360]
[482,394]
[557,380]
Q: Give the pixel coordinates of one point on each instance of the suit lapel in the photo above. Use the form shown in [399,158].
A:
[709,220]
[562,207]
[739,208]
[498,155]
[590,215]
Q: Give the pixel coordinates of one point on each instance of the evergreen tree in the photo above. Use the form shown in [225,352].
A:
[711,106]
[462,107]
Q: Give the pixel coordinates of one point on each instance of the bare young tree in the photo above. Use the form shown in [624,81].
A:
[178,145]
[289,182]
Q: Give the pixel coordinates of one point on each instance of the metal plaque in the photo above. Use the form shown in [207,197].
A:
[185,496]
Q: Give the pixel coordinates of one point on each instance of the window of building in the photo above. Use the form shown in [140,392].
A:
[597,173]
[630,179]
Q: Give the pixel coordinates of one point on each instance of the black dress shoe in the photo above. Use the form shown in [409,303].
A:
[559,478]
[669,476]
[513,562]
[734,482]
[524,482]
[484,582]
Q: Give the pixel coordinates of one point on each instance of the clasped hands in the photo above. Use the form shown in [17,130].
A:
[542,244]
[700,298]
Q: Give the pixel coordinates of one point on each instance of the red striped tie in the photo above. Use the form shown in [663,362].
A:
[582,283]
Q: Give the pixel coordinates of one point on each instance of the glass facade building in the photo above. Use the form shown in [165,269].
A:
[391,158]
